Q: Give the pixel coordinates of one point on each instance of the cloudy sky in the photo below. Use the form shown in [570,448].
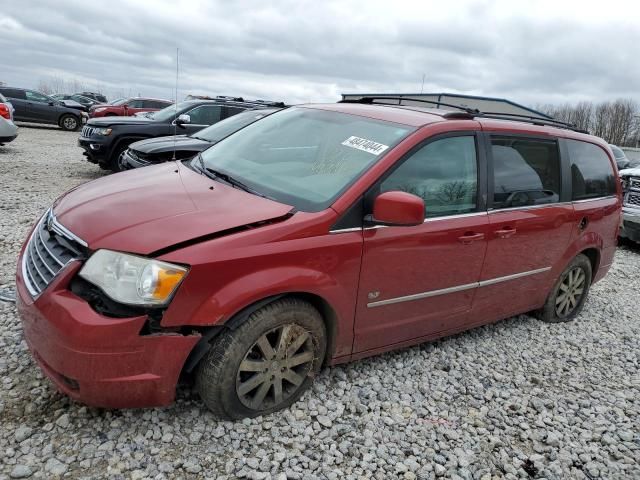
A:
[530,52]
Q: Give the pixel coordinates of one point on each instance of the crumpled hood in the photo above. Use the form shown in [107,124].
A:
[167,144]
[630,172]
[107,121]
[152,208]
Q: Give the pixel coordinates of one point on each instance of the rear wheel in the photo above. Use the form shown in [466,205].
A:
[569,293]
[266,363]
[69,122]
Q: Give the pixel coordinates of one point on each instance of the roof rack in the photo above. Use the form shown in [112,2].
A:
[467,113]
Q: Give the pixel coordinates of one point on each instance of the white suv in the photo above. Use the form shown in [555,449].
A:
[8,130]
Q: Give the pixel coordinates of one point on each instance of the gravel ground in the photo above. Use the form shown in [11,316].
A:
[518,399]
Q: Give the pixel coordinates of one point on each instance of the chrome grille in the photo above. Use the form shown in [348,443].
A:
[49,249]
[88,131]
[634,183]
[633,199]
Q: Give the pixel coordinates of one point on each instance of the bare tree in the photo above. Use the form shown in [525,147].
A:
[618,122]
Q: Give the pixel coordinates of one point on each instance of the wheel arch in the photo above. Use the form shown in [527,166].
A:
[64,114]
[593,254]
[327,312]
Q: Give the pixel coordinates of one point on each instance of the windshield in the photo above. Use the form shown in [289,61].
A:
[220,130]
[617,152]
[304,157]
[118,101]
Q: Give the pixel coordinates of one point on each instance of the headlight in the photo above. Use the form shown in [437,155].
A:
[103,131]
[131,279]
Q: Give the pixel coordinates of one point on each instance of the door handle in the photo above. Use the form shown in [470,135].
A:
[506,232]
[470,237]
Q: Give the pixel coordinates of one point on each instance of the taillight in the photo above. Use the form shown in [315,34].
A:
[4,111]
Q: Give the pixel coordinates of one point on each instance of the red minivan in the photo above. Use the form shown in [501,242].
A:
[318,235]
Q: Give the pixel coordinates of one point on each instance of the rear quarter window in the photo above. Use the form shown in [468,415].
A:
[592,174]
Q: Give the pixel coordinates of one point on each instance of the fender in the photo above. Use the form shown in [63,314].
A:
[235,296]
[579,244]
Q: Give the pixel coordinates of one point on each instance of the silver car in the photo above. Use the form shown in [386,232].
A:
[8,130]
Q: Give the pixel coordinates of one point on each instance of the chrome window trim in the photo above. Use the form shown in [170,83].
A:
[346,230]
[458,288]
[585,200]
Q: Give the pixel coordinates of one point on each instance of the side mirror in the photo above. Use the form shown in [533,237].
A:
[396,208]
[52,103]
[183,119]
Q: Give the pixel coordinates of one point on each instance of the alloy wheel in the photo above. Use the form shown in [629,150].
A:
[70,123]
[274,367]
[570,292]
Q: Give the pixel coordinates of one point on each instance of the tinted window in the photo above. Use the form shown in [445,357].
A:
[218,131]
[234,111]
[13,93]
[525,172]
[37,97]
[443,173]
[592,175]
[205,114]
[136,104]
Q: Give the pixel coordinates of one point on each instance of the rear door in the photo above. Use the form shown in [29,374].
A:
[530,224]
[420,281]
[201,117]
[19,101]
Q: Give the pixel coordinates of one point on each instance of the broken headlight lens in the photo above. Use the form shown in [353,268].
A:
[133,280]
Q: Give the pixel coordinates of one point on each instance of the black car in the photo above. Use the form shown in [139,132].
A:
[98,97]
[180,147]
[36,107]
[104,139]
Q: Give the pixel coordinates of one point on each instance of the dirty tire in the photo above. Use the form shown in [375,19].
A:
[222,376]
[580,268]
[114,159]
[70,123]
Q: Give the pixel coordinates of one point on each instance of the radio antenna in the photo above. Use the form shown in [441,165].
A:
[175,119]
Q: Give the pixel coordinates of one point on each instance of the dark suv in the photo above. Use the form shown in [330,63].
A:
[36,107]
[105,139]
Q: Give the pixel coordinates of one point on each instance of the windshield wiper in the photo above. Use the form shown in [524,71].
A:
[213,173]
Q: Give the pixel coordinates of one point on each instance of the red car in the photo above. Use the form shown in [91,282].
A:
[321,234]
[126,107]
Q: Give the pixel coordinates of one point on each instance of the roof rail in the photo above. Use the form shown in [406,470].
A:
[467,113]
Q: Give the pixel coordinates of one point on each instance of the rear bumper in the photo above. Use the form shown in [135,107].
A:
[630,225]
[8,139]
[98,360]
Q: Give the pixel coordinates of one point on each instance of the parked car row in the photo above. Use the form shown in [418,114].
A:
[313,235]
[105,139]
[36,107]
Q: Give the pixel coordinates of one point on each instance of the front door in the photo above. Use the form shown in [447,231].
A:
[530,220]
[201,117]
[420,281]
[39,108]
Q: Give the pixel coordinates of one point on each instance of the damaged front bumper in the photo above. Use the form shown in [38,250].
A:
[98,360]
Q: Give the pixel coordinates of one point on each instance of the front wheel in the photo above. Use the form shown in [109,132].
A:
[569,293]
[266,363]
[69,123]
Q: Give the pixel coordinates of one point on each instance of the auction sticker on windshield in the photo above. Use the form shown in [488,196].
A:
[365,145]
